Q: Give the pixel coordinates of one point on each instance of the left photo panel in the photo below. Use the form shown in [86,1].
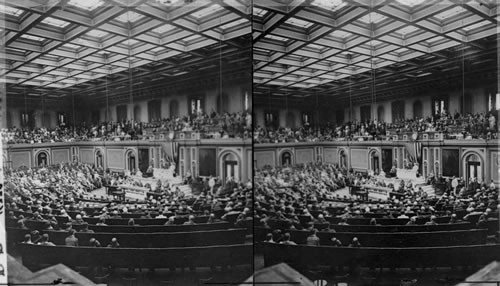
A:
[126,131]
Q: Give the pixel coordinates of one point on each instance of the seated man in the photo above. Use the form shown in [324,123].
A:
[94,242]
[85,228]
[453,219]
[114,243]
[269,238]
[336,242]
[190,220]
[71,240]
[131,222]
[286,240]
[393,172]
[355,243]
[170,221]
[412,221]
[45,240]
[78,219]
[432,221]
[101,222]
[211,218]
[27,239]
[343,221]
[313,239]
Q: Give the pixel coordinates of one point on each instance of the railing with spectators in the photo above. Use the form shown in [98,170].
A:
[142,240]
[389,239]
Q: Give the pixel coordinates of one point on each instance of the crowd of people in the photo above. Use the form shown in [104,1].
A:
[49,194]
[284,194]
[469,126]
[213,125]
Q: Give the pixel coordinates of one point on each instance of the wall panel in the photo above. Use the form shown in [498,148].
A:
[359,158]
[331,155]
[87,156]
[115,158]
[265,158]
[303,156]
[60,156]
[20,158]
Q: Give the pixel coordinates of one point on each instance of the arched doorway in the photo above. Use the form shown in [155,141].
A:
[230,167]
[174,108]
[42,159]
[473,167]
[343,159]
[286,158]
[417,109]
[99,159]
[374,160]
[130,160]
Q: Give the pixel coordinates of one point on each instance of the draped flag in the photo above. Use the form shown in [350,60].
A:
[414,149]
[171,152]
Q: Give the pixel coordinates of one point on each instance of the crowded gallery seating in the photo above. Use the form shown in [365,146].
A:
[227,125]
[459,126]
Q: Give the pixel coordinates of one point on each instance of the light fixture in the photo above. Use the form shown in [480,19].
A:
[349,57]
[221,98]
[130,74]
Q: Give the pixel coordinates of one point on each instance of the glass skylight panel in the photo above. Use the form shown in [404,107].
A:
[163,29]
[314,46]
[340,34]
[55,22]
[233,23]
[373,18]
[34,38]
[167,2]
[86,4]
[71,46]
[207,11]
[449,13]
[374,43]
[332,5]
[259,12]
[82,42]
[10,10]
[130,42]
[158,49]
[402,50]
[97,33]
[475,26]
[411,3]
[299,23]
[191,38]
[435,39]
[277,38]
[423,74]
[130,16]
[407,30]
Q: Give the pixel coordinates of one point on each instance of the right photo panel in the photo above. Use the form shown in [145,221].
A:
[376,151]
